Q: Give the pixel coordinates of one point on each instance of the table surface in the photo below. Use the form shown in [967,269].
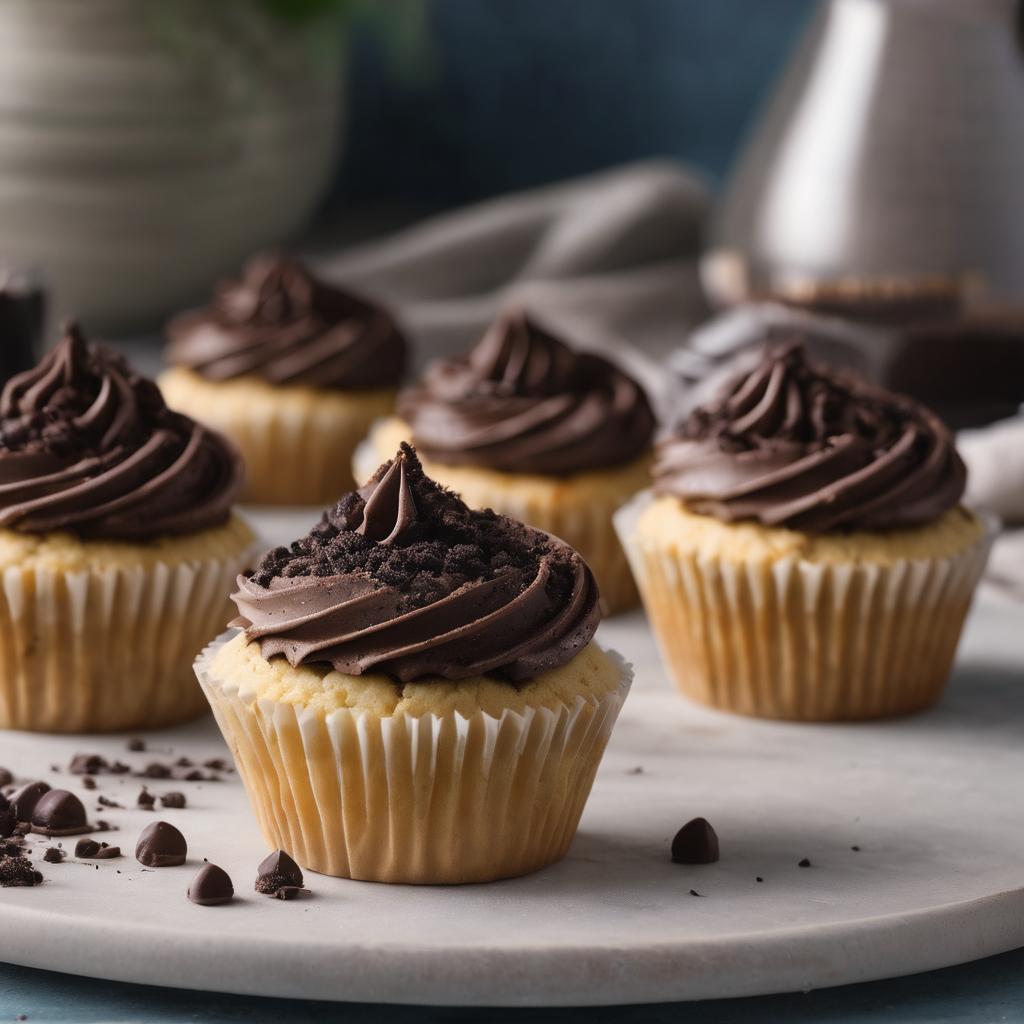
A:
[979,993]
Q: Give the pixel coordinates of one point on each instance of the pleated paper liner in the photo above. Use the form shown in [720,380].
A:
[298,445]
[586,525]
[437,799]
[793,639]
[101,650]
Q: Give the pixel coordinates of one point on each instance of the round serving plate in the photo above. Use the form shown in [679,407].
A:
[912,829]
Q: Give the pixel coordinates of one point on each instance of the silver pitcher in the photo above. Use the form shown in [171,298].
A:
[889,164]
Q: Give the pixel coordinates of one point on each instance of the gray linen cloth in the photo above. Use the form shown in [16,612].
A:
[612,260]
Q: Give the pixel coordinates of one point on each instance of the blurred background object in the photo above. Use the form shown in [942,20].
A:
[147,146]
[884,179]
[22,320]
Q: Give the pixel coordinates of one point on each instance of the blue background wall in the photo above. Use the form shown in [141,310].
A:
[527,91]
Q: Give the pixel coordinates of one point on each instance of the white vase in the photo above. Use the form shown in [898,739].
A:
[147,146]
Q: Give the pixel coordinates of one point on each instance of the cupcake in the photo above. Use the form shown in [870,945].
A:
[117,546]
[525,425]
[804,553]
[293,371]
[415,695]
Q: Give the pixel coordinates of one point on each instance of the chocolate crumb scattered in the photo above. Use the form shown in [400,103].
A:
[136,745]
[856,849]
[173,800]
[145,799]
[184,762]
[8,822]
[54,855]
[217,764]
[103,826]
[155,770]
[695,843]
[759,879]
[693,892]
[805,863]
[95,764]
[88,782]
[638,770]
[17,870]
[106,801]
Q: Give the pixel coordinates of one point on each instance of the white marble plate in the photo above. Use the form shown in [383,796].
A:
[934,803]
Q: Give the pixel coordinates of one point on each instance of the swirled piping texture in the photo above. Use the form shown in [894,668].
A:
[87,445]
[401,578]
[793,444]
[281,323]
[524,402]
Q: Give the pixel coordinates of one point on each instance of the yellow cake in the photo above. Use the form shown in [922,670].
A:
[293,370]
[789,574]
[117,547]
[415,722]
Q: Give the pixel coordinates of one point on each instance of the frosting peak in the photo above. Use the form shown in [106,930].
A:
[281,323]
[797,445]
[522,401]
[87,445]
[402,578]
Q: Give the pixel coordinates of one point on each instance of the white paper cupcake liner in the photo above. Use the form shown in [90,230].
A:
[438,799]
[112,649]
[803,640]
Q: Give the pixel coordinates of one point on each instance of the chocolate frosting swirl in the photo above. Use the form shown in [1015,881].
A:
[523,402]
[88,446]
[281,323]
[402,578]
[797,445]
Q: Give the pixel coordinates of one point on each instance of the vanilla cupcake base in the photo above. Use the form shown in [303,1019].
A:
[98,636]
[577,508]
[779,624]
[428,783]
[297,442]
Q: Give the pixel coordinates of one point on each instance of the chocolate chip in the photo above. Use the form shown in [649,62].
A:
[136,745]
[106,801]
[155,770]
[161,846]
[103,826]
[191,775]
[276,872]
[86,848]
[173,800]
[88,782]
[693,892]
[120,768]
[18,871]
[24,801]
[695,843]
[54,855]
[6,778]
[106,852]
[759,879]
[184,762]
[217,764]
[88,764]
[211,886]
[145,799]
[805,863]
[59,813]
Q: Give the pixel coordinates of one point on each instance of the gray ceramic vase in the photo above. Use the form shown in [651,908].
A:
[148,146]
